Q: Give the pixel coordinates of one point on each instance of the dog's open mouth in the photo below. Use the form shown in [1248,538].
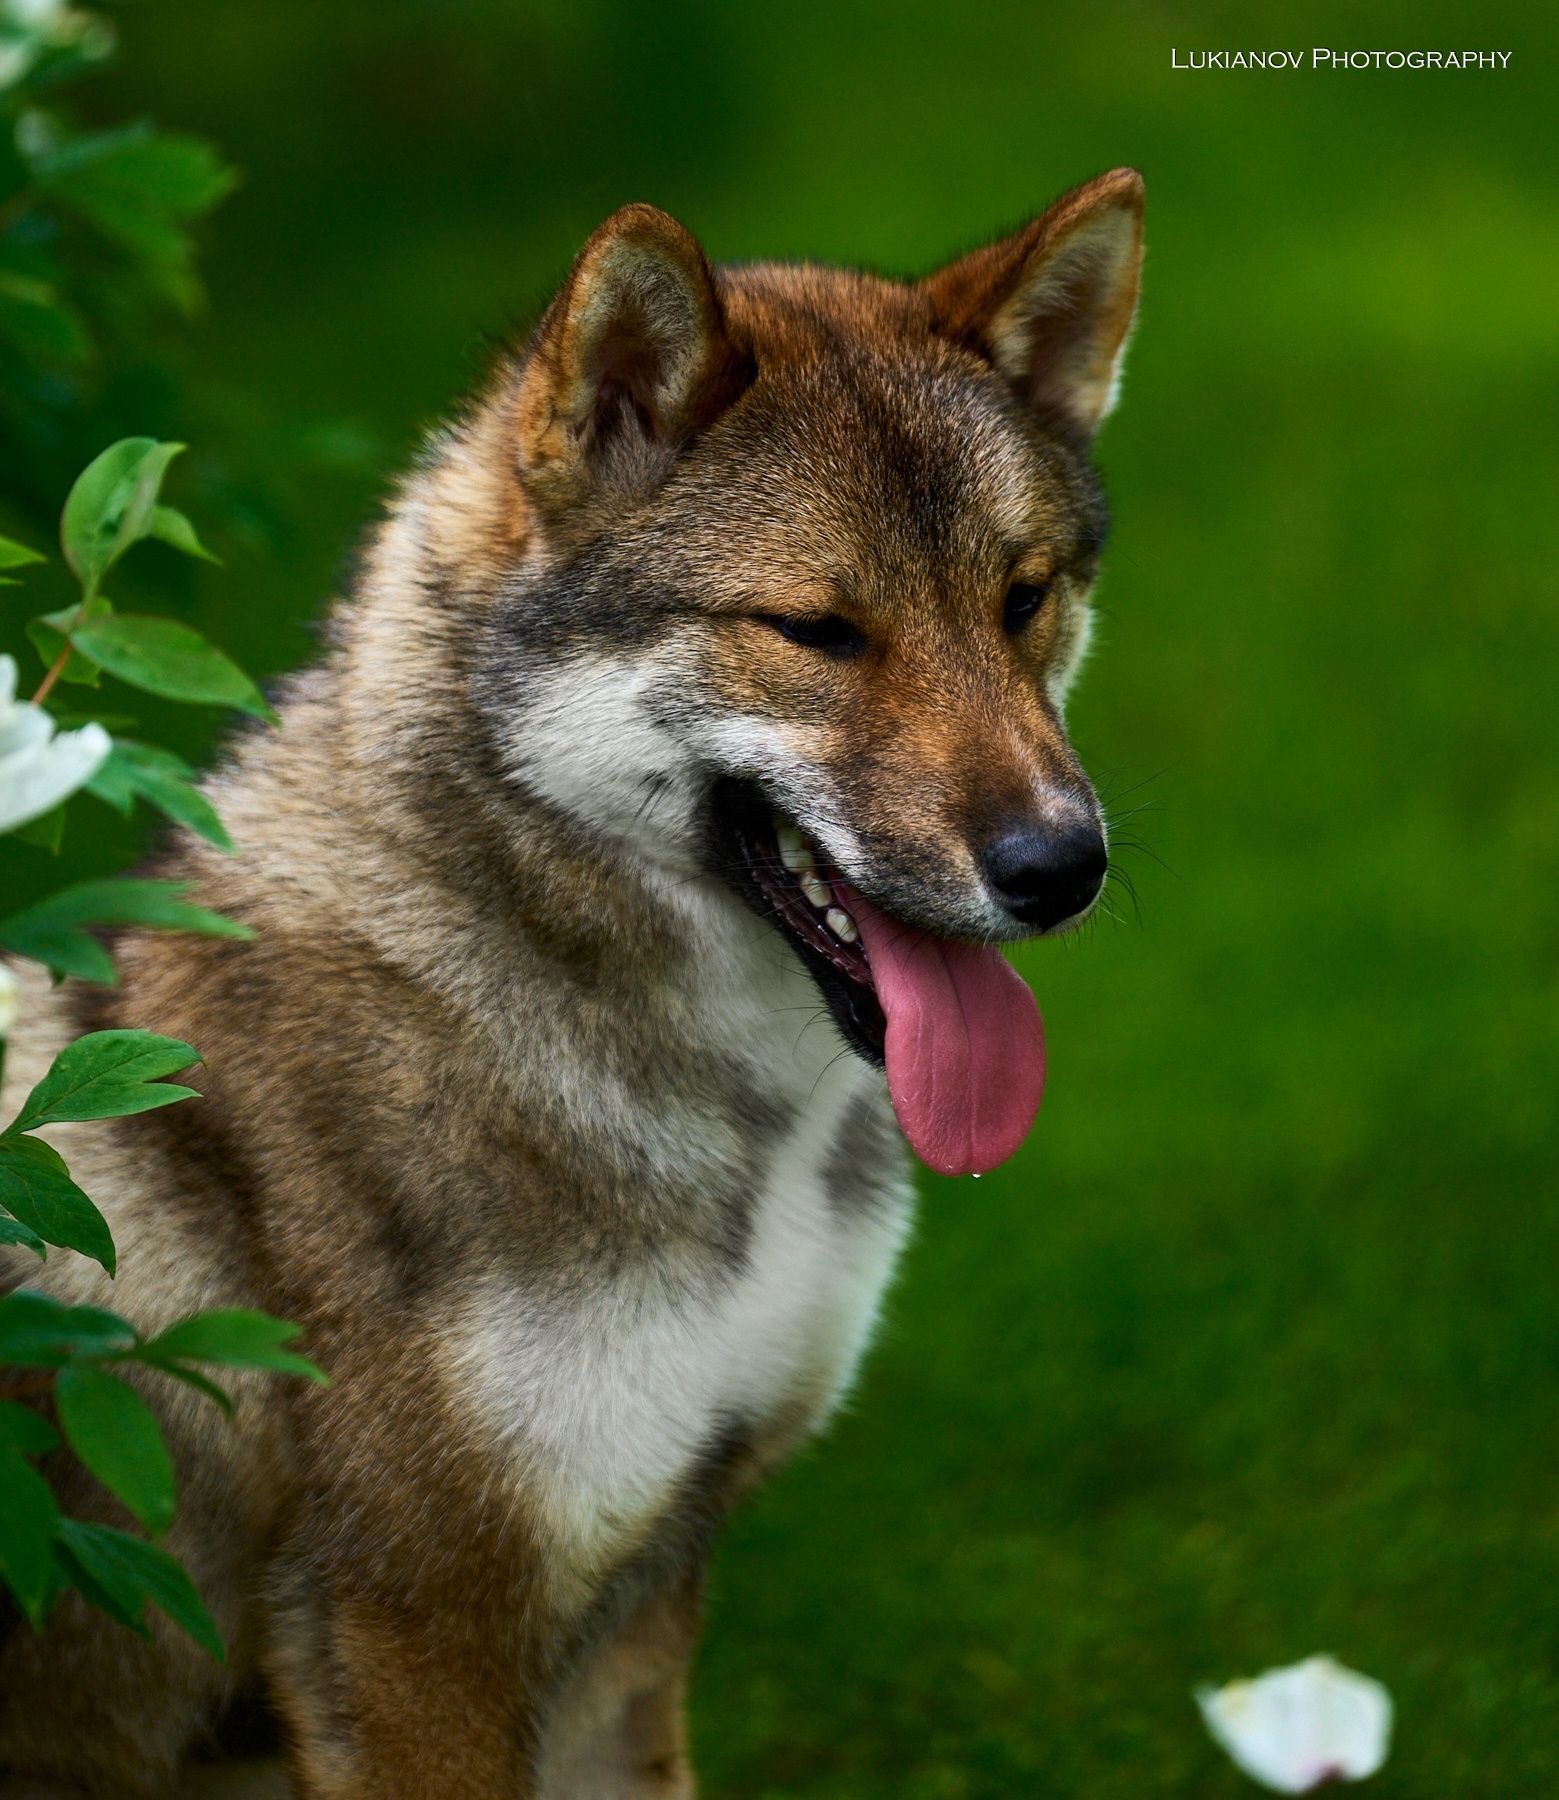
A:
[787,879]
[953,1023]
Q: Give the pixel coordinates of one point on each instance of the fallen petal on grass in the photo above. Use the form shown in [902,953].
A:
[1297,1728]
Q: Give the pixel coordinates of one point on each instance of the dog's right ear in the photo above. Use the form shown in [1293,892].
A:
[630,362]
[1051,306]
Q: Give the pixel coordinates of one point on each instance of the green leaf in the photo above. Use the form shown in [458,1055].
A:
[72,953]
[40,326]
[110,506]
[167,658]
[54,931]
[129,1573]
[190,1377]
[16,556]
[46,832]
[116,1434]
[106,1075]
[39,1332]
[29,1520]
[121,1608]
[147,772]
[13,1231]
[171,526]
[36,1188]
[123,177]
[24,1430]
[139,189]
[234,1338]
[48,634]
[72,719]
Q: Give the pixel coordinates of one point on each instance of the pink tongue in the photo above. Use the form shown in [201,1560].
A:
[965,1047]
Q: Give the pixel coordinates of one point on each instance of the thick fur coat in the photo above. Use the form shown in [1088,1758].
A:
[572,1157]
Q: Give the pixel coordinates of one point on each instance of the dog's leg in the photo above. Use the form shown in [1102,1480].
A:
[618,1730]
[383,1703]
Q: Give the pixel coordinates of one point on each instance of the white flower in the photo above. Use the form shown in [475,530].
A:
[1294,1729]
[38,15]
[37,26]
[40,767]
[7,1000]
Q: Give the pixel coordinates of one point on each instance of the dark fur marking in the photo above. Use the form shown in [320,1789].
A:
[597,604]
[196,1138]
[867,1144]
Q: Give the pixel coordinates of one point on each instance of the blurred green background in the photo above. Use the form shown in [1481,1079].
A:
[1253,1352]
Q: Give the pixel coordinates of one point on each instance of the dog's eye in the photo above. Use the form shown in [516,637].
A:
[831,633]
[1024,600]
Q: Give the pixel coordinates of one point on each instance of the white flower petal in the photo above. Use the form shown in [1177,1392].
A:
[40,767]
[1293,1729]
[35,782]
[37,15]
[22,729]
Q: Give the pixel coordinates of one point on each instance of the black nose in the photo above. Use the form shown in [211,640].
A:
[1043,877]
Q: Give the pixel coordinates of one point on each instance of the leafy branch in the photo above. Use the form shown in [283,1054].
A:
[74,1356]
[72,1352]
[95,242]
[96,235]
[114,1433]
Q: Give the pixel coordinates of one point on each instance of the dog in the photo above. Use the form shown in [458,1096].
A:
[629,880]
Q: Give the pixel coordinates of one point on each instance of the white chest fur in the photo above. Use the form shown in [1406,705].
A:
[607,1402]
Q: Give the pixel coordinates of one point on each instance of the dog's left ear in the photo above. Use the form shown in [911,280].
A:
[1052,305]
[630,361]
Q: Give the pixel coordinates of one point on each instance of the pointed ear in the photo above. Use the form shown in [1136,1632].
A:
[630,361]
[1051,306]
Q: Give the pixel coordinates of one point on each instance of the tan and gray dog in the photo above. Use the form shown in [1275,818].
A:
[642,847]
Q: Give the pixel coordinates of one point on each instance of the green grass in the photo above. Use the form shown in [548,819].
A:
[1254,1351]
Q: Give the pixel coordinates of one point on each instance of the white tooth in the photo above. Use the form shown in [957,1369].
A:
[795,852]
[816,889]
[841,924]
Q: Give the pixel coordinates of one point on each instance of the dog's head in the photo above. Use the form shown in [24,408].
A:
[804,581]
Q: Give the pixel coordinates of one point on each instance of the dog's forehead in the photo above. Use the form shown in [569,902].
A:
[892,426]
[868,437]
[885,469]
